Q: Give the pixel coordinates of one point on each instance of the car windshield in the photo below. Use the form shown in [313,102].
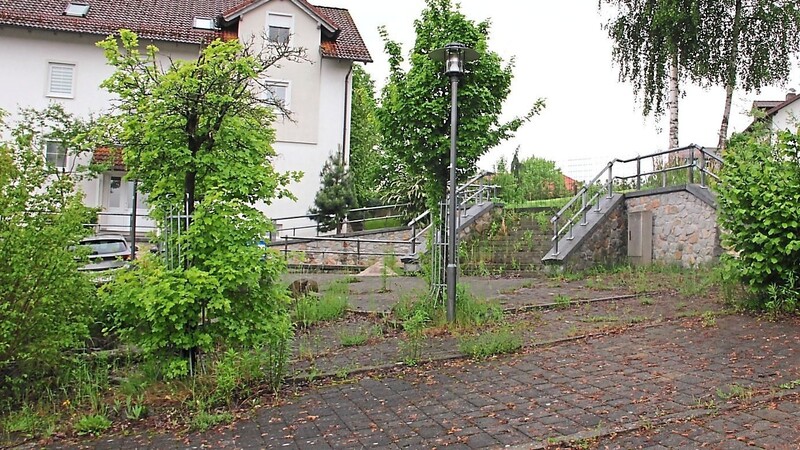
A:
[102,247]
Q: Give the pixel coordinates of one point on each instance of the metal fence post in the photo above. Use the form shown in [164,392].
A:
[555,236]
[638,173]
[702,168]
[691,167]
[610,180]
[584,196]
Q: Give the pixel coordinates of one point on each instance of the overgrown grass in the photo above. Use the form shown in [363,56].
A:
[383,222]
[331,304]
[494,342]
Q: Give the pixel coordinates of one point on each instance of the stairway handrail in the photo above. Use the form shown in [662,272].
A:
[705,152]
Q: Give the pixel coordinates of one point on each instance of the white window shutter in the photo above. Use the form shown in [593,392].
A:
[61,79]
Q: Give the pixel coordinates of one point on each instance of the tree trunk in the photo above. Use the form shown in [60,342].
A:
[726,113]
[730,79]
[673,108]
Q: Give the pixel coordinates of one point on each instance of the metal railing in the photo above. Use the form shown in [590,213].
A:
[393,212]
[474,191]
[591,194]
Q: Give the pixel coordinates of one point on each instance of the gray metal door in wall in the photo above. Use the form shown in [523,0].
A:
[640,237]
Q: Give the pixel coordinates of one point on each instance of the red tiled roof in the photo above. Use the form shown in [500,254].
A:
[238,8]
[172,21]
[150,19]
[111,156]
[348,44]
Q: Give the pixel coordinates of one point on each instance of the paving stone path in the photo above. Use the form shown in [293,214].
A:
[675,384]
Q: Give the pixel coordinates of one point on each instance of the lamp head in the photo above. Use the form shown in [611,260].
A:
[454,55]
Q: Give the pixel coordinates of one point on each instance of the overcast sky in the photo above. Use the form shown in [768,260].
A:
[563,55]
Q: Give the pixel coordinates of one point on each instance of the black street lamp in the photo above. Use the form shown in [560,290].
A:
[454,55]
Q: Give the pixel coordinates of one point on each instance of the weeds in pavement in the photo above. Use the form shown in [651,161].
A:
[646,301]
[204,420]
[495,342]
[791,384]
[735,392]
[414,327]
[360,336]
[708,319]
[91,424]
[332,304]
[562,301]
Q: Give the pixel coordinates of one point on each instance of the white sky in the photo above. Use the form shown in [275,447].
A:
[564,56]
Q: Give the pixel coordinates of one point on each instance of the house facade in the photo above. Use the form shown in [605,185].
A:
[50,54]
[781,114]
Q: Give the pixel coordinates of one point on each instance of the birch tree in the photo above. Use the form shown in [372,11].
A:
[654,40]
[752,44]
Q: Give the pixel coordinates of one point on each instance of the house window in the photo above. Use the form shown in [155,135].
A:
[279,28]
[76,9]
[115,192]
[61,80]
[204,23]
[277,93]
[55,155]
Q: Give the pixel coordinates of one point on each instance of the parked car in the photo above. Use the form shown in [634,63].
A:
[107,253]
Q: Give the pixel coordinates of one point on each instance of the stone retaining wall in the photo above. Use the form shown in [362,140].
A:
[684,228]
[348,252]
[606,245]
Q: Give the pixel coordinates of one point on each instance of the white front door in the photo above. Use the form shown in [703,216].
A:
[118,206]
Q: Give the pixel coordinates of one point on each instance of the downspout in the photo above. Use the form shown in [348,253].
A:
[346,125]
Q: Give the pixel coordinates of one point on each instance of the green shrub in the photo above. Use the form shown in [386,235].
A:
[230,297]
[45,303]
[492,343]
[760,214]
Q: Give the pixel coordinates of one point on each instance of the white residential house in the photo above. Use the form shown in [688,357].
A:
[781,114]
[49,54]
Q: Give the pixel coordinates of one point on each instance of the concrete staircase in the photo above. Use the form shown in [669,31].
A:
[513,244]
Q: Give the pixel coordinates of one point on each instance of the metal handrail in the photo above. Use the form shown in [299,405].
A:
[695,164]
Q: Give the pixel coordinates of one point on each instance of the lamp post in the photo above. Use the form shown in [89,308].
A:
[454,55]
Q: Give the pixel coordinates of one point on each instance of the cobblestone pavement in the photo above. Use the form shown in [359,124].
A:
[677,384]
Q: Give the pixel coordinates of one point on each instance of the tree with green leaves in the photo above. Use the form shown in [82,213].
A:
[415,107]
[336,197]
[46,304]
[733,43]
[752,44]
[535,179]
[198,135]
[654,41]
[365,138]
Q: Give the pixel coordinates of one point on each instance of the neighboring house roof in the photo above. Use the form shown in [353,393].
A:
[570,183]
[173,21]
[791,98]
[110,156]
[766,105]
[772,107]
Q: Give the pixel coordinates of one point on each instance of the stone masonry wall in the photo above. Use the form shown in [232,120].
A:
[347,253]
[607,244]
[684,228]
